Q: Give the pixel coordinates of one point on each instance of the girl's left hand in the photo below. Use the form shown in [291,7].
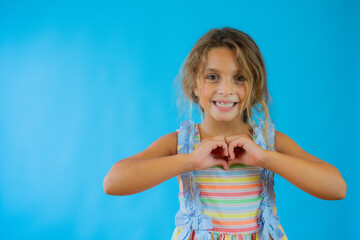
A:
[243,150]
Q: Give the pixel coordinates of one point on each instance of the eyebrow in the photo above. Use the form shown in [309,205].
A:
[215,70]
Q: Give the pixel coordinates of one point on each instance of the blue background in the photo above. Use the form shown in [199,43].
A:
[85,84]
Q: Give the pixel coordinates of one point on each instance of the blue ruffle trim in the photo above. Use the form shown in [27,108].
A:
[186,136]
[268,223]
[191,218]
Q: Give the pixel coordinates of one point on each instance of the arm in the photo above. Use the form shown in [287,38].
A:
[304,170]
[156,164]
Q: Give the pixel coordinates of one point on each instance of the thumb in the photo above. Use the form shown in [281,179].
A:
[221,162]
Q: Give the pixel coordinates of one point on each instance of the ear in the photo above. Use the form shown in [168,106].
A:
[196,91]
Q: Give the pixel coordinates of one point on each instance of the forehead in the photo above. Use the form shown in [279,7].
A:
[221,58]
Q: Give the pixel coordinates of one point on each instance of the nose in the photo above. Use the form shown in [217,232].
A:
[225,87]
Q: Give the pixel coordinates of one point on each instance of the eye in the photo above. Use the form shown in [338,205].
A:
[212,77]
[240,78]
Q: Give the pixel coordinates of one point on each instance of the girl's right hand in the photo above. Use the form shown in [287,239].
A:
[205,154]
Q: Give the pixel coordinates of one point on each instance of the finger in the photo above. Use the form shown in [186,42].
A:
[232,145]
[229,139]
[226,165]
[222,145]
[232,138]
[225,148]
[231,152]
[221,162]
[235,161]
[236,146]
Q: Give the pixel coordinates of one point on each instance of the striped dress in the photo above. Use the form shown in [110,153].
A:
[231,198]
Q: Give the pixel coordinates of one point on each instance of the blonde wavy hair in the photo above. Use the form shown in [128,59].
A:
[248,56]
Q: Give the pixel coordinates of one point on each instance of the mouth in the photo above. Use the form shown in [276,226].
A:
[225,106]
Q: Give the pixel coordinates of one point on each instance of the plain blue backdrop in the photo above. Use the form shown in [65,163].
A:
[84,84]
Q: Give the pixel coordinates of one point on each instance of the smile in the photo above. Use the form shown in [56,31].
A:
[225,106]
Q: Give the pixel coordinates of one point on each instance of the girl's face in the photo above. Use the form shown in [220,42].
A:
[223,86]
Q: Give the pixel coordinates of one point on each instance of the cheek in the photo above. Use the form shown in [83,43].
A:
[205,95]
[243,91]
[203,100]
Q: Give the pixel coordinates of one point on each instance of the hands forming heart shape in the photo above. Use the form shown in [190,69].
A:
[239,149]
[219,153]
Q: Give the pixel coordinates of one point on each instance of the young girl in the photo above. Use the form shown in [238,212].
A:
[225,165]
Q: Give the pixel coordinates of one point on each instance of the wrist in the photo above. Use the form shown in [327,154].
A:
[264,158]
[190,166]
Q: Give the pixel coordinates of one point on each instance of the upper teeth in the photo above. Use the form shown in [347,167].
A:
[221,104]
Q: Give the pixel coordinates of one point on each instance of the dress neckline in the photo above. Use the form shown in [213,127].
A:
[198,128]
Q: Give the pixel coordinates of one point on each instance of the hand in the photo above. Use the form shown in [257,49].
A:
[210,152]
[243,150]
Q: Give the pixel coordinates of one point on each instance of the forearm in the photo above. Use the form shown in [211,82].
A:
[319,179]
[130,176]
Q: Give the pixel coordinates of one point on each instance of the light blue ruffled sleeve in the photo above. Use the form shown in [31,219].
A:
[269,223]
[191,218]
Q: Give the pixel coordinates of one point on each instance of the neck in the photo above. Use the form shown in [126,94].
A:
[211,128]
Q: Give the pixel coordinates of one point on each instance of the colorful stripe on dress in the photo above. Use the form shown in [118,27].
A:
[230,197]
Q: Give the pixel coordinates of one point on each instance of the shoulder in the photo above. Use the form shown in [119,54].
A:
[165,145]
[284,144]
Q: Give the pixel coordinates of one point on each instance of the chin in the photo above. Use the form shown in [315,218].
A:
[225,118]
